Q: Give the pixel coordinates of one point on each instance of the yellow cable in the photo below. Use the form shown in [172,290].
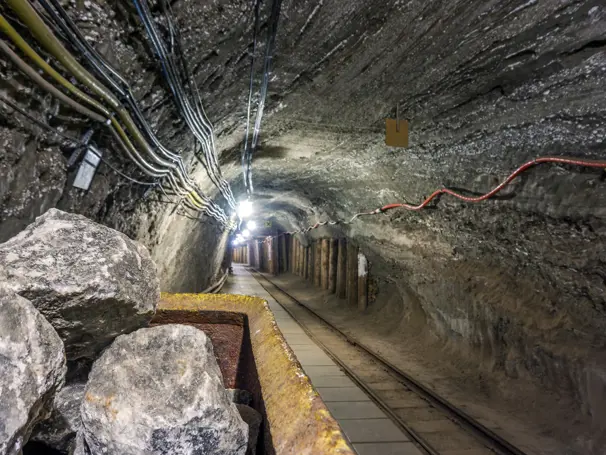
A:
[33,55]
[45,36]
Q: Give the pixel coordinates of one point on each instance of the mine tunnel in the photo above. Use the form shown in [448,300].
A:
[307,227]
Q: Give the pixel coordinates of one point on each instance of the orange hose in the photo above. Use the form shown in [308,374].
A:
[498,188]
[483,197]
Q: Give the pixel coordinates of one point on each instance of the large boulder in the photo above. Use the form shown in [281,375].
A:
[159,391]
[32,369]
[60,429]
[91,282]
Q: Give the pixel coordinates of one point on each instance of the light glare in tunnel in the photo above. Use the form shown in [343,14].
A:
[245,209]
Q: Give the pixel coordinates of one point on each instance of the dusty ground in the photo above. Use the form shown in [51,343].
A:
[536,421]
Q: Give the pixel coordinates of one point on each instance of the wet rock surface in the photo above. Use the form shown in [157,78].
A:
[32,369]
[92,283]
[160,391]
[60,429]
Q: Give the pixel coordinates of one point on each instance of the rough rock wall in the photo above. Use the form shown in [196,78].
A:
[34,175]
[517,284]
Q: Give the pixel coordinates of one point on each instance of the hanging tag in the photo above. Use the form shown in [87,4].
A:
[396,132]
[87,169]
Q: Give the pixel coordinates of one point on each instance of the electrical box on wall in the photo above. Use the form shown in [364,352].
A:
[87,169]
[396,132]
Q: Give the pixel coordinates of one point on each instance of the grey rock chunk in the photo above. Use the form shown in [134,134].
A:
[60,429]
[253,419]
[159,391]
[91,282]
[32,369]
[240,396]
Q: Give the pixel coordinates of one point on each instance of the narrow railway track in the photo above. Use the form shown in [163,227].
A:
[434,424]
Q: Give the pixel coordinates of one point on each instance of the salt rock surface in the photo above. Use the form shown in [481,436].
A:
[91,282]
[159,391]
[32,369]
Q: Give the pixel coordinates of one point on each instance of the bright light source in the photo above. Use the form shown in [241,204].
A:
[246,233]
[251,225]
[238,240]
[245,209]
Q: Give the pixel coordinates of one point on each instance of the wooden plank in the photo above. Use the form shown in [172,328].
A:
[332,265]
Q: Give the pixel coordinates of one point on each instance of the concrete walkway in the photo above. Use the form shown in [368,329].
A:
[368,429]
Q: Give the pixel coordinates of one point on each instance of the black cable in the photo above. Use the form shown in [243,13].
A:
[272,31]
[100,66]
[256,9]
[74,140]
[194,116]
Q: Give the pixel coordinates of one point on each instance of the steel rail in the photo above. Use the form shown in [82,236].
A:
[414,435]
[484,434]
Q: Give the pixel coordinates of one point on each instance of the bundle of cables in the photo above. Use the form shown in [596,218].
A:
[96,101]
[169,53]
[272,30]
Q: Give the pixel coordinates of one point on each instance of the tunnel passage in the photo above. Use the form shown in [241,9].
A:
[498,301]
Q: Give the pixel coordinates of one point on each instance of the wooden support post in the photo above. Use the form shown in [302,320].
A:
[298,258]
[288,252]
[332,265]
[276,257]
[296,250]
[352,274]
[297,253]
[362,282]
[308,265]
[301,260]
[310,253]
[305,263]
[293,250]
[271,254]
[325,257]
[341,269]
[318,262]
[284,258]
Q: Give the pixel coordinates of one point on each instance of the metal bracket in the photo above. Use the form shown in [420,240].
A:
[87,169]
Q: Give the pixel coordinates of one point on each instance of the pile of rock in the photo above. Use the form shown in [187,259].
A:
[72,293]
